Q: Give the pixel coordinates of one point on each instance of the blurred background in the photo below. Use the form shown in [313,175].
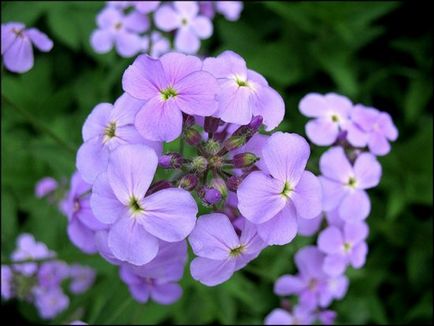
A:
[376,53]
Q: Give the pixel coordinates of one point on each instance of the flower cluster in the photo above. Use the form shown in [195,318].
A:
[16,46]
[132,27]
[348,169]
[35,275]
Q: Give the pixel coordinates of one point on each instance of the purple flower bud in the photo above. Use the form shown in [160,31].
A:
[255,123]
[211,124]
[157,186]
[192,136]
[45,186]
[220,185]
[171,161]
[188,182]
[233,182]
[244,160]
[211,196]
[212,147]
[188,120]
[199,164]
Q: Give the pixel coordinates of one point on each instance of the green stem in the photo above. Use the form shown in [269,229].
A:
[37,124]
[25,261]
[120,310]
[181,146]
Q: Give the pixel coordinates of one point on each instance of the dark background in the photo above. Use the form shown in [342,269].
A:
[376,53]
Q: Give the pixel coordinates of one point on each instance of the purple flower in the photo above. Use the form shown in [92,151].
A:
[327,317]
[159,45]
[157,279]
[344,184]
[82,223]
[274,202]
[137,222]
[372,128]
[230,9]
[45,186]
[206,8]
[343,247]
[16,46]
[312,285]
[50,301]
[184,17]
[82,278]
[308,227]
[6,282]
[244,93]
[119,29]
[331,113]
[299,316]
[173,84]
[107,127]
[29,249]
[52,273]
[146,7]
[78,322]
[220,250]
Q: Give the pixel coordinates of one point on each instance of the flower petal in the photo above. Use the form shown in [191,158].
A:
[226,64]
[332,193]
[101,40]
[92,159]
[313,105]
[166,293]
[140,292]
[358,256]
[286,156]
[307,196]
[159,121]
[81,236]
[322,131]
[128,44]
[234,105]
[355,232]
[355,206]
[131,243]
[131,170]
[97,121]
[367,171]
[167,19]
[269,104]
[202,26]
[19,56]
[186,41]
[287,285]
[281,229]
[378,144]
[309,261]
[330,240]
[178,66]
[335,165]
[169,214]
[39,39]
[212,272]
[335,265]
[279,317]
[259,197]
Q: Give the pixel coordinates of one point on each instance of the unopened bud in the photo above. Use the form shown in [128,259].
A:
[210,196]
[244,160]
[220,185]
[233,182]
[199,164]
[188,120]
[171,161]
[211,124]
[234,142]
[255,123]
[157,186]
[212,147]
[192,136]
[188,182]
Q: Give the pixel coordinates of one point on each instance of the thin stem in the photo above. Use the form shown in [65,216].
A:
[30,118]
[181,146]
[121,309]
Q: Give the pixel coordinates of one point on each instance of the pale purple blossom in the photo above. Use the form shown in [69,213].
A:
[190,26]
[82,278]
[136,223]
[331,113]
[6,282]
[157,280]
[146,7]
[107,127]
[308,227]
[16,46]
[273,200]
[343,247]
[372,128]
[220,250]
[52,273]
[119,30]
[158,44]
[243,92]
[299,316]
[45,186]
[344,183]
[171,85]
[231,10]
[29,249]
[50,301]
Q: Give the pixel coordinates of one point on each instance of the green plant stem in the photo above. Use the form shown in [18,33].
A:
[119,311]
[37,124]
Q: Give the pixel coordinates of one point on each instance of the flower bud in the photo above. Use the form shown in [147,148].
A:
[209,196]
[233,182]
[188,120]
[244,160]
[220,185]
[192,136]
[255,123]
[171,161]
[234,142]
[212,147]
[211,124]
[199,164]
[188,182]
